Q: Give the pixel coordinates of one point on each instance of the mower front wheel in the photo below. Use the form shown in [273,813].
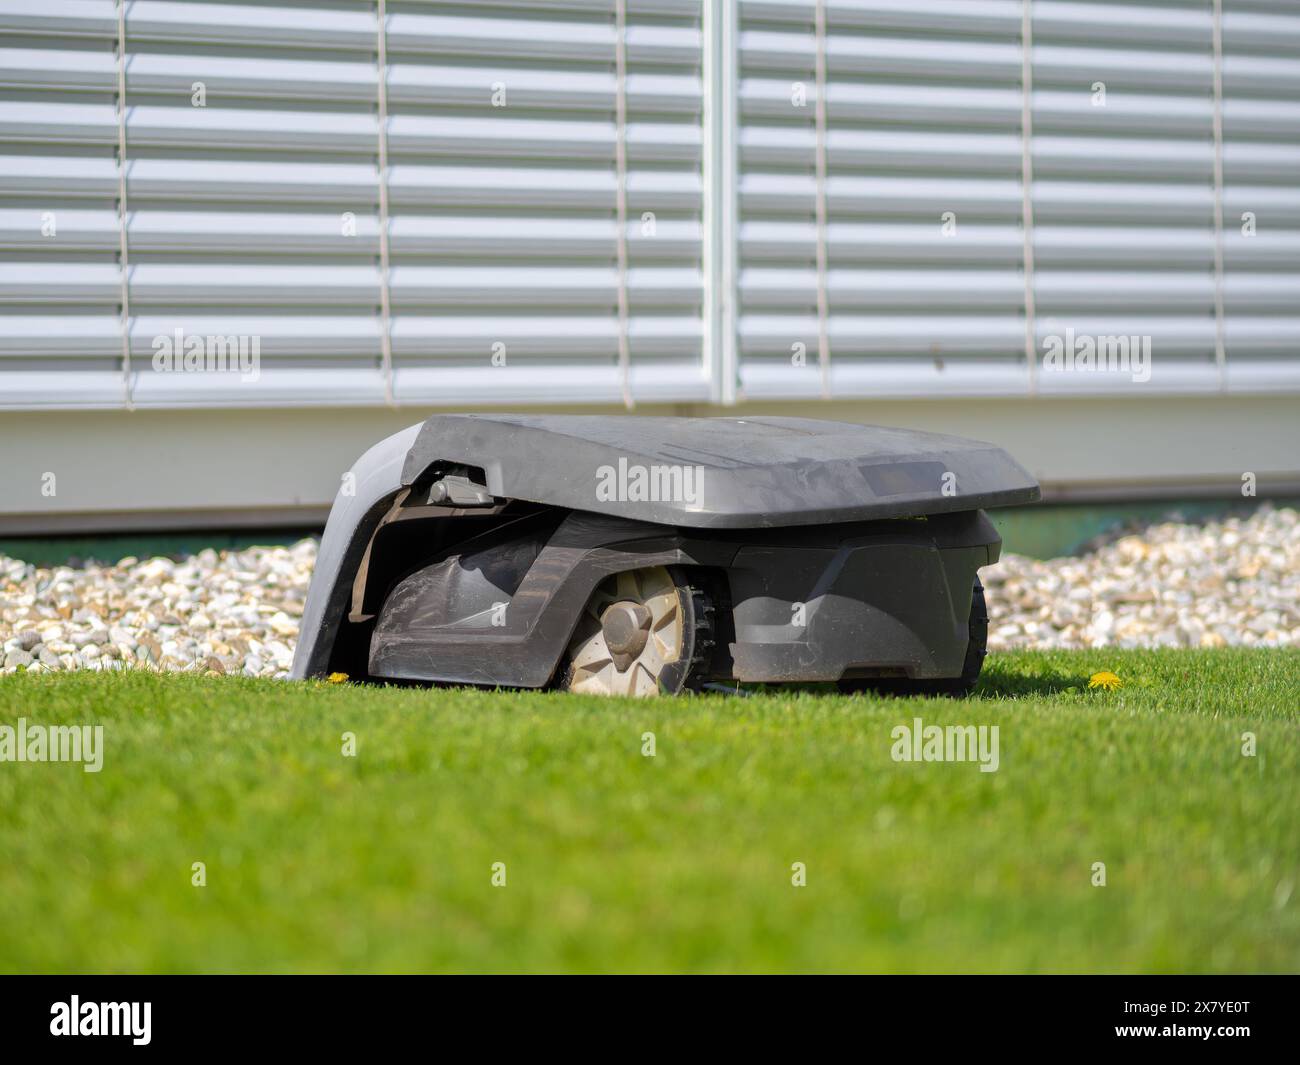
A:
[643,632]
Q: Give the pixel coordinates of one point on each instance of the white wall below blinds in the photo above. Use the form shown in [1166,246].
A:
[925,227]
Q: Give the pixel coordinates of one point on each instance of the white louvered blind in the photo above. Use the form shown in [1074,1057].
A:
[936,263]
[502,177]
[885,244]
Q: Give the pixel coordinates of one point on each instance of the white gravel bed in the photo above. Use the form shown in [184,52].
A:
[221,612]
[1234,582]
[1220,583]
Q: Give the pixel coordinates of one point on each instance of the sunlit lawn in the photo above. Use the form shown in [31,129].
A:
[682,861]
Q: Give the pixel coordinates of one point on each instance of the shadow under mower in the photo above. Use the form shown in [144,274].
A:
[632,556]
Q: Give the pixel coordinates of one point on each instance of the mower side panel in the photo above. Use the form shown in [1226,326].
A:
[807,605]
[377,478]
[431,627]
[819,616]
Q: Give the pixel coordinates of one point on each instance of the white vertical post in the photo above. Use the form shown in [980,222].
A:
[720,207]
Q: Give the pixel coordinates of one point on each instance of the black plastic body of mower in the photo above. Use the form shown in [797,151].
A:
[629,555]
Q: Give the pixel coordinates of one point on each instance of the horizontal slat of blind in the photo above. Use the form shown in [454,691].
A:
[416,185]
[238,284]
[255,79]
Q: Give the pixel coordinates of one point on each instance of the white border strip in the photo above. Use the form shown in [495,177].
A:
[720,207]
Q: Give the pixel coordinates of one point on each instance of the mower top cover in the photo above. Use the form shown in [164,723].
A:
[722,473]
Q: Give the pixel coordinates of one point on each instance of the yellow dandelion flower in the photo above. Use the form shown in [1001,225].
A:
[1105,679]
[337,678]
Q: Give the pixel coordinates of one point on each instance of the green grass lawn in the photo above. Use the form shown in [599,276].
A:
[681,861]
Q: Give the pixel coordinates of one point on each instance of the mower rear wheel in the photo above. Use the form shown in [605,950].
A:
[958,687]
[643,632]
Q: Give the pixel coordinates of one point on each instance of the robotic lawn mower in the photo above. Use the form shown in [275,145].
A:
[633,556]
